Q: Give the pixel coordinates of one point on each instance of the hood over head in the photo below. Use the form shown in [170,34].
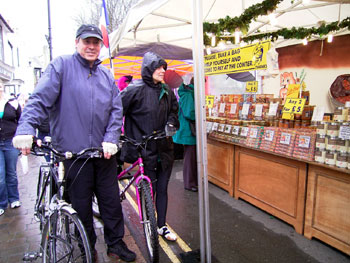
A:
[151,61]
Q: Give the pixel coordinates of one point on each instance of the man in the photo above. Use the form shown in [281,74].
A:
[85,110]
[150,106]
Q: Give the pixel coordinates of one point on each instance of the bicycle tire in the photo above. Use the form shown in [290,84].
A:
[149,221]
[64,239]
[43,189]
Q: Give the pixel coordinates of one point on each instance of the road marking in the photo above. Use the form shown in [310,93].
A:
[162,243]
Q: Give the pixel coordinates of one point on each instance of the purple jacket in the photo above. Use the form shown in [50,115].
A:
[83,105]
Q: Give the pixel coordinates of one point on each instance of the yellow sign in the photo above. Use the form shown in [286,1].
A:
[209,101]
[294,106]
[251,57]
[288,116]
[293,91]
[251,86]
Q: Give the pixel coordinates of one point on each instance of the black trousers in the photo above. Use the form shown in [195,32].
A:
[190,166]
[99,176]
[160,180]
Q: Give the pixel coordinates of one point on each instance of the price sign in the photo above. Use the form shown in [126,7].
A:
[244,131]
[344,132]
[285,138]
[215,126]
[318,113]
[251,86]
[209,101]
[304,141]
[221,127]
[222,108]
[228,128]
[253,133]
[235,130]
[294,106]
[233,108]
[245,108]
[258,110]
[269,134]
[273,109]
[293,90]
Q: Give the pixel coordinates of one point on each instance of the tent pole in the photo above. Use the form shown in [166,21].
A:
[201,135]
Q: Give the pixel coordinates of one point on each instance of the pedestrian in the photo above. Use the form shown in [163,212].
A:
[10,112]
[124,81]
[149,106]
[85,110]
[186,137]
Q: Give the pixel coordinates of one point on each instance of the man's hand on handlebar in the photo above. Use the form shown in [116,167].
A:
[23,143]
[109,149]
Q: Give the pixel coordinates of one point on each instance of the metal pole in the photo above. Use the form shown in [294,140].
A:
[49,40]
[201,135]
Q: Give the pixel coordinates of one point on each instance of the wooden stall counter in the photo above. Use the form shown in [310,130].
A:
[327,215]
[273,183]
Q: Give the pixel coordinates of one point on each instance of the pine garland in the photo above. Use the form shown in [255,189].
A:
[242,22]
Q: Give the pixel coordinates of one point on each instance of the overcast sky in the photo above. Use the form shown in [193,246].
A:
[29,18]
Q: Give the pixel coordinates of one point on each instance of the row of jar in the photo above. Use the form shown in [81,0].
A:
[332,128]
[332,143]
[333,158]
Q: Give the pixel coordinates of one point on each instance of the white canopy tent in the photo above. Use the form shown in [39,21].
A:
[179,22]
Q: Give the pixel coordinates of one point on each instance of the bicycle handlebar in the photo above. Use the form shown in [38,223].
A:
[89,152]
[156,135]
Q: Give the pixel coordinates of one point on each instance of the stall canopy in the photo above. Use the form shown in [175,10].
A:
[129,59]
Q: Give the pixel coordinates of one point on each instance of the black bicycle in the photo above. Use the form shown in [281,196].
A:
[64,238]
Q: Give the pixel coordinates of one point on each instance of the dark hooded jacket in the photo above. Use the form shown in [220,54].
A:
[148,107]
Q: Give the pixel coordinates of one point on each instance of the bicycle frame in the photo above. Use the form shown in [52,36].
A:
[138,176]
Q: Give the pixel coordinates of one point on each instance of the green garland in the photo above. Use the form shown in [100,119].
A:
[300,32]
[242,22]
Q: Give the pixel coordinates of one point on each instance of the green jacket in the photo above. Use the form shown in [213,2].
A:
[186,110]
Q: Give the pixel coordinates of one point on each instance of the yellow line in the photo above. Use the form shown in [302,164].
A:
[162,243]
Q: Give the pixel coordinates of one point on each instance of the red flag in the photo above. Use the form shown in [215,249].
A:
[104,23]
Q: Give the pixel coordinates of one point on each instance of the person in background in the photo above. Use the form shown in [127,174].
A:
[10,112]
[85,109]
[124,81]
[184,136]
[43,131]
[149,106]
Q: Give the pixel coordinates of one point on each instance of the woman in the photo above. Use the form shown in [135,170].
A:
[184,136]
[149,106]
[10,111]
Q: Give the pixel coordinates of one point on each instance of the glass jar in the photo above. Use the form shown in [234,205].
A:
[321,142]
[320,156]
[332,144]
[338,114]
[321,128]
[342,145]
[341,160]
[333,129]
[297,124]
[330,157]
[307,112]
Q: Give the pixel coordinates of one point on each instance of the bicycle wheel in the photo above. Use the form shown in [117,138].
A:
[43,195]
[149,221]
[64,239]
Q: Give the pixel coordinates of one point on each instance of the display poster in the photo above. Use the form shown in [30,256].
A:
[285,138]
[235,130]
[293,91]
[253,133]
[251,86]
[304,141]
[250,57]
[269,134]
[244,131]
[215,126]
[209,101]
[228,128]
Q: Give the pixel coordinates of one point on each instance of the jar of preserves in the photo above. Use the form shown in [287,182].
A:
[320,156]
[321,142]
[281,123]
[333,129]
[305,123]
[342,145]
[341,160]
[332,144]
[330,157]
[297,124]
[307,112]
[321,128]
[339,114]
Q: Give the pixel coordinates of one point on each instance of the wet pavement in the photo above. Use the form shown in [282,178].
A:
[240,232]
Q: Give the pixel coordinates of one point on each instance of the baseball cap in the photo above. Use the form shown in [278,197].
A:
[89,30]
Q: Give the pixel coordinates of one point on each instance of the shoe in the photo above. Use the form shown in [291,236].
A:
[2,211]
[120,250]
[15,204]
[192,189]
[166,233]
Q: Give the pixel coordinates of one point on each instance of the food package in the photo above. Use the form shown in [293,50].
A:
[285,141]
[269,139]
[304,147]
[254,136]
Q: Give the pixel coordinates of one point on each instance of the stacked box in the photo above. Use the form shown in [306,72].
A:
[269,139]
[305,142]
[254,136]
[285,141]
